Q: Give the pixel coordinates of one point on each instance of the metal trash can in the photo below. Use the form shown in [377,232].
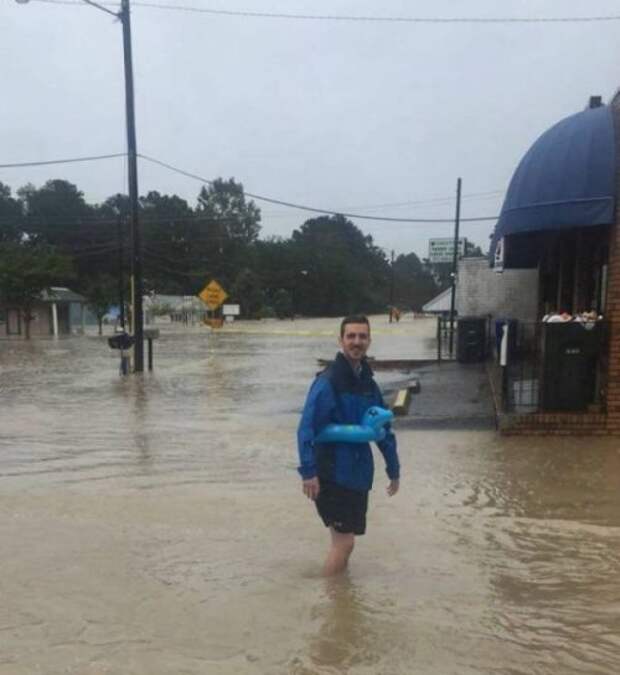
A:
[471,339]
[570,355]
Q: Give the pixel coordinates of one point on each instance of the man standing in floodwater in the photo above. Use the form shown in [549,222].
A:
[338,476]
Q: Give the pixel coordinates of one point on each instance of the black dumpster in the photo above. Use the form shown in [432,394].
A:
[570,359]
[471,339]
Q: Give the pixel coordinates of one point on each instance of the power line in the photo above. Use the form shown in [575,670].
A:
[267,199]
[313,209]
[355,18]
[71,160]
[435,201]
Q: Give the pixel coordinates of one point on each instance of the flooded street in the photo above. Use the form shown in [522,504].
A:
[155,525]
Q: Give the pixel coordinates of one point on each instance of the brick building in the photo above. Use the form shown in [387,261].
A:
[561,218]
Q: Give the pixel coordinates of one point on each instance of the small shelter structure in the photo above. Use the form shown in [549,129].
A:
[52,315]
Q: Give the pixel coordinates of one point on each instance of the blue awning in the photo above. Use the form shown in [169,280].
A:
[565,180]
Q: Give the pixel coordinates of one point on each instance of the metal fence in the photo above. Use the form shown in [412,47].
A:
[446,338]
[552,367]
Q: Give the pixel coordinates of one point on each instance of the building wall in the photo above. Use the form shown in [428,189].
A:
[41,324]
[13,324]
[10,322]
[613,295]
[480,291]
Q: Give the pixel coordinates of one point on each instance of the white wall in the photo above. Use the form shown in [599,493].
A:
[480,290]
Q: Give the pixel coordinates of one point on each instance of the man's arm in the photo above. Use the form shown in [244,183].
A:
[316,414]
[390,454]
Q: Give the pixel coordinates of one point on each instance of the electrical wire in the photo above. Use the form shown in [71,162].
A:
[312,209]
[71,160]
[89,254]
[440,201]
[269,199]
[353,18]
[169,270]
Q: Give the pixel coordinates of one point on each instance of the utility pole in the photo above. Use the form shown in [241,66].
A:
[392,285]
[132,161]
[121,280]
[455,257]
[132,157]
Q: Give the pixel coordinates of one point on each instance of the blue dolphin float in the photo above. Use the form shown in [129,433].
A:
[372,428]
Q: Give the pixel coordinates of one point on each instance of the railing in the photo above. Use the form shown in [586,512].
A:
[446,343]
[553,367]
[466,338]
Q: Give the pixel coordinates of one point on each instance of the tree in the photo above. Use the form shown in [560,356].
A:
[247,291]
[282,304]
[11,216]
[56,214]
[101,293]
[224,202]
[414,285]
[472,250]
[230,225]
[346,272]
[174,253]
[26,270]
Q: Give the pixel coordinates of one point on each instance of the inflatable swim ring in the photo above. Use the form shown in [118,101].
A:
[372,428]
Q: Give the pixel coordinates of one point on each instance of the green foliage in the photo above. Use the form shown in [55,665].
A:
[101,293]
[282,304]
[56,213]
[11,216]
[223,202]
[413,283]
[174,258]
[346,272]
[472,251]
[26,270]
[248,293]
[328,267]
[229,228]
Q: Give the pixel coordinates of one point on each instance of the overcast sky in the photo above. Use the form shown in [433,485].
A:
[367,117]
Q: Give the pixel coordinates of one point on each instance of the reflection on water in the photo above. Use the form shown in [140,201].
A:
[157,521]
[346,637]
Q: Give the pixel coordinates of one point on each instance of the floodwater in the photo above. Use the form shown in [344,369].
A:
[155,524]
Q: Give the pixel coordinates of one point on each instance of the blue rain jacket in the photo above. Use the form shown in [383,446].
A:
[339,396]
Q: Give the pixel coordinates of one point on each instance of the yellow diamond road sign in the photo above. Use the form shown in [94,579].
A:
[213,295]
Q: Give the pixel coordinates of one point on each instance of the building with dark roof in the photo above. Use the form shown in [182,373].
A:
[561,218]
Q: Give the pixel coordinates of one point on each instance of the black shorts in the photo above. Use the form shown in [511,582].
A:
[342,508]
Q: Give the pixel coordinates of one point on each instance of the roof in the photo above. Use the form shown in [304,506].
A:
[440,303]
[61,294]
[565,180]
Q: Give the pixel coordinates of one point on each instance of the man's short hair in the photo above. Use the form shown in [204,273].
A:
[353,318]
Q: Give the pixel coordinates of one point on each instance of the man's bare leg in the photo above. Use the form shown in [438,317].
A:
[338,556]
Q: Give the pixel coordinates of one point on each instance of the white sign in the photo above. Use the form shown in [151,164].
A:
[500,255]
[442,250]
[231,310]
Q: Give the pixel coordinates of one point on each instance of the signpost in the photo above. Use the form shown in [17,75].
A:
[442,250]
[213,295]
[230,312]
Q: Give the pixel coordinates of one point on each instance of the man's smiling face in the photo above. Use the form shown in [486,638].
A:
[355,341]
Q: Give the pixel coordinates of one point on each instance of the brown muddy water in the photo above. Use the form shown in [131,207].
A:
[155,525]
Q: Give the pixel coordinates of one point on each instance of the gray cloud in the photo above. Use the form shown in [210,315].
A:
[333,114]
